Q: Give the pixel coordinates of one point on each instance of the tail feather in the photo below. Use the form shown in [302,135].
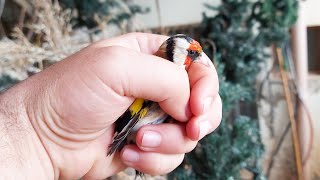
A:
[140,174]
[120,140]
[116,145]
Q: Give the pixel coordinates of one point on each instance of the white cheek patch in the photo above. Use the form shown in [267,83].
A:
[179,58]
[180,53]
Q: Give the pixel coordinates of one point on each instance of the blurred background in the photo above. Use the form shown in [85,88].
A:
[265,51]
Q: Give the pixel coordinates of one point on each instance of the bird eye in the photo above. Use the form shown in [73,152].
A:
[192,52]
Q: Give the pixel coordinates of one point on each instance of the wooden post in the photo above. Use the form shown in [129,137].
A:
[300,55]
[293,123]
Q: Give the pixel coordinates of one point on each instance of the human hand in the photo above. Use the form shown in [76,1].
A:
[71,107]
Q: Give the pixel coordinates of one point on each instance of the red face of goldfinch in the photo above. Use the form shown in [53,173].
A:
[182,50]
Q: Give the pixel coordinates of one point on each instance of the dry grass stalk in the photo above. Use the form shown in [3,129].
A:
[50,37]
[52,30]
[50,24]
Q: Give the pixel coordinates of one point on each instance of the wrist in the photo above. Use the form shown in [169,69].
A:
[22,153]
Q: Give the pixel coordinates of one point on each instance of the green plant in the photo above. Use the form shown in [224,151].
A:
[91,12]
[241,30]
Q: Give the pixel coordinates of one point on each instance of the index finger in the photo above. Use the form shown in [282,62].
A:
[204,85]
[204,90]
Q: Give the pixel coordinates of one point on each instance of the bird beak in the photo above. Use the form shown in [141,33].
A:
[203,59]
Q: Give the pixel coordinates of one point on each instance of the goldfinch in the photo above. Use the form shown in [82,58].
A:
[179,49]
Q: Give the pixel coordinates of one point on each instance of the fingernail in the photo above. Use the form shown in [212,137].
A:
[130,155]
[151,139]
[204,129]
[207,104]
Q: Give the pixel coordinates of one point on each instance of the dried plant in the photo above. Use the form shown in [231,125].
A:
[51,30]
[48,37]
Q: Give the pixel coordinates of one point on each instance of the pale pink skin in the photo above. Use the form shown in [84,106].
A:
[58,123]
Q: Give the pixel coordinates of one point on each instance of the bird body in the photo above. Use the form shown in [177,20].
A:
[179,49]
[141,112]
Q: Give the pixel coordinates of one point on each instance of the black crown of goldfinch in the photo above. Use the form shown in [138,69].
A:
[182,51]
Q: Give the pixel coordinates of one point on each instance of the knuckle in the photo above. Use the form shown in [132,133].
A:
[215,84]
[166,166]
[134,34]
[217,116]
[113,51]
[157,168]
[216,80]
[111,56]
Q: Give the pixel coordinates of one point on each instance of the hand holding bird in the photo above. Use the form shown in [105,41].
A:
[71,108]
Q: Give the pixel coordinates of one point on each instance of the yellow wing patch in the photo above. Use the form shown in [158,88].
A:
[143,112]
[136,106]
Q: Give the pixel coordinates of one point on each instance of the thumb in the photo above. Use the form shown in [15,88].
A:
[89,90]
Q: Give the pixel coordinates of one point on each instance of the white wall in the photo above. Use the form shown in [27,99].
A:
[312,103]
[173,12]
[181,12]
[311,12]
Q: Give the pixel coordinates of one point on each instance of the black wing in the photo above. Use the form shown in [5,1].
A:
[123,127]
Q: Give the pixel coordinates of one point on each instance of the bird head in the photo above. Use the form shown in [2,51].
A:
[181,50]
